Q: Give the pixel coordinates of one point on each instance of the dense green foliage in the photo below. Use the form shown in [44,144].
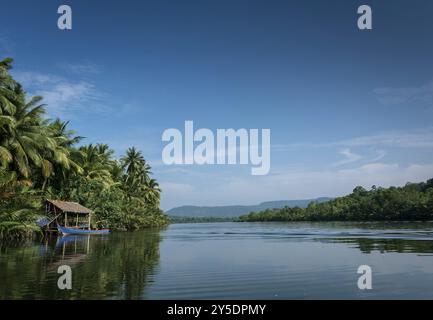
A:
[414,201]
[40,158]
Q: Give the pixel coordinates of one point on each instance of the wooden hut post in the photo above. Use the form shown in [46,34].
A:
[55,211]
[88,243]
[89,219]
[66,219]
[76,222]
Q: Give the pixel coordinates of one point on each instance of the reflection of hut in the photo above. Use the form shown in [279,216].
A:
[68,214]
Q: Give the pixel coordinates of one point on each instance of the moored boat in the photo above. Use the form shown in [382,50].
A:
[67,217]
[66,230]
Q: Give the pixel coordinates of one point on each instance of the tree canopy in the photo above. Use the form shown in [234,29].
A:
[42,158]
[414,201]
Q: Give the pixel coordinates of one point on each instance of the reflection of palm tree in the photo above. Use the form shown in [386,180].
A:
[119,267]
[368,245]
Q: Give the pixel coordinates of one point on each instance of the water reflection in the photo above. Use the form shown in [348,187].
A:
[114,266]
[368,245]
[227,261]
[69,250]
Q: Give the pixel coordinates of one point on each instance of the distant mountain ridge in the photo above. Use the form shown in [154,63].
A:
[237,210]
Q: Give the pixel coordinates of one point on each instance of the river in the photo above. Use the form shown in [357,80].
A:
[228,261]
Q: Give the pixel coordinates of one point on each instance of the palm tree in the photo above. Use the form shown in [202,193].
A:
[18,224]
[26,143]
[65,140]
[152,192]
[132,161]
[137,184]
[117,172]
[96,163]
[24,137]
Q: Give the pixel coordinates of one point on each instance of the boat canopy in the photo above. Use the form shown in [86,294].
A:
[57,206]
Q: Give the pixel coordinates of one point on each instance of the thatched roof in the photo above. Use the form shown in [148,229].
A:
[72,207]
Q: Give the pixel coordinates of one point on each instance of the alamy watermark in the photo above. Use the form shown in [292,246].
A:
[365,280]
[230,146]
[365,21]
[65,280]
[64,22]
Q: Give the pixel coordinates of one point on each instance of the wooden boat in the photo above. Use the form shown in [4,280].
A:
[66,218]
[67,230]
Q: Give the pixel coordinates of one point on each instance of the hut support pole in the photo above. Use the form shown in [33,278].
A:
[89,220]
[66,219]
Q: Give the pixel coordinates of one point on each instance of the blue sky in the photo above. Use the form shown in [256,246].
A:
[345,107]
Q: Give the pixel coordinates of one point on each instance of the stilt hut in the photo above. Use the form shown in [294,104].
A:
[68,214]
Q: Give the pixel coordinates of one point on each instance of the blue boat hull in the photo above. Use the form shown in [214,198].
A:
[65,230]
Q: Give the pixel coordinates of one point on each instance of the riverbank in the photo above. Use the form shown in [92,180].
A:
[41,158]
[412,202]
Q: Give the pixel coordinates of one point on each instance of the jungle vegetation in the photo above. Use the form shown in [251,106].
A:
[414,201]
[42,158]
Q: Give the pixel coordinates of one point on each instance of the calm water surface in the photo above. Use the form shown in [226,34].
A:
[228,261]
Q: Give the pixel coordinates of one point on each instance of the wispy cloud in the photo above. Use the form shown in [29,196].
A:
[393,96]
[64,96]
[29,78]
[380,155]
[417,139]
[61,95]
[81,68]
[349,157]
[420,138]
[313,183]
